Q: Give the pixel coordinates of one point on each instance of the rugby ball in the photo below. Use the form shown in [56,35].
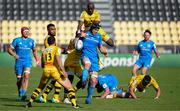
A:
[109,96]
[79,45]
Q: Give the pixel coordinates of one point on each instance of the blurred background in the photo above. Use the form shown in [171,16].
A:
[124,20]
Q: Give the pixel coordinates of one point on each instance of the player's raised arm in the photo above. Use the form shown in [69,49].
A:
[103,50]
[106,38]
[110,42]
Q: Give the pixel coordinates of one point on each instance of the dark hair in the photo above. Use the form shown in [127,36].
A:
[51,40]
[50,25]
[24,28]
[148,31]
[90,3]
[94,26]
[99,88]
[146,80]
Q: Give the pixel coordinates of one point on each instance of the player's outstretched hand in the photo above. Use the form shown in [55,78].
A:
[106,54]
[38,62]
[16,57]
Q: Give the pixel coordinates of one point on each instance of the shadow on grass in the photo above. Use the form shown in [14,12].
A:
[85,96]
[10,100]
[39,106]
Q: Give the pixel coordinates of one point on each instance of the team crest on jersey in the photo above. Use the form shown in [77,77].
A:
[148,45]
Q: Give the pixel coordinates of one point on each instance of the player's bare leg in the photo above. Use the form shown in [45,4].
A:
[71,92]
[37,91]
[19,82]
[135,70]
[144,70]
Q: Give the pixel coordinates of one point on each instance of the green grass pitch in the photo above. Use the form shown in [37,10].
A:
[168,79]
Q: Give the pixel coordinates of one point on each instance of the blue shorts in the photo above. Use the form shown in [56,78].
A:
[94,63]
[21,65]
[143,63]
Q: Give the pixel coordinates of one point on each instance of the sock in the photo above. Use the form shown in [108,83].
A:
[23,92]
[90,91]
[34,95]
[48,89]
[72,97]
[57,87]
[71,78]
[79,84]
[119,91]
[20,92]
[84,75]
[75,88]
[18,83]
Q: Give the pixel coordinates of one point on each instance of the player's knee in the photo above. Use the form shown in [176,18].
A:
[134,71]
[26,72]
[144,71]
[87,63]
[93,79]
[26,77]
[87,66]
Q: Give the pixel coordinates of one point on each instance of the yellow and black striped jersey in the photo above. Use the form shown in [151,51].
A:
[135,82]
[49,56]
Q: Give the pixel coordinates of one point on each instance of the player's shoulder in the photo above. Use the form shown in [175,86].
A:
[140,76]
[96,12]
[152,42]
[55,47]
[17,38]
[141,41]
[88,33]
[98,35]
[46,38]
[83,12]
[152,78]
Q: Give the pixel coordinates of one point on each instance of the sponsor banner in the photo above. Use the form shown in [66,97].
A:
[114,60]
[120,60]
[127,60]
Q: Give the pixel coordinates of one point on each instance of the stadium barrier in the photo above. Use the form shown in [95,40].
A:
[114,60]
